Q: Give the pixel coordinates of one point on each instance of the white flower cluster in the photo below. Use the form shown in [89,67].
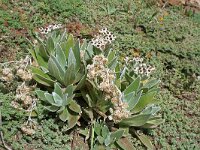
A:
[98,70]
[50,28]
[98,67]
[141,68]
[105,37]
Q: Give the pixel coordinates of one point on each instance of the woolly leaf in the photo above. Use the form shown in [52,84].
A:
[69,76]
[133,101]
[75,107]
[136,121]
[132,87]
[64,115]
[57,99]
[145,100]
[73,118]
[125,144]
[58,90]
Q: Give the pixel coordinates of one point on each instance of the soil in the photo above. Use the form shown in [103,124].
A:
[188,4]
[7,54]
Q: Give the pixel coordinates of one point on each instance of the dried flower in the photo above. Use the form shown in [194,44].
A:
[23,96]
[28,129]
[22,70]
[7,75]
[24,75]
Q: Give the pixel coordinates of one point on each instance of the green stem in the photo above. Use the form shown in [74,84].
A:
[92,136]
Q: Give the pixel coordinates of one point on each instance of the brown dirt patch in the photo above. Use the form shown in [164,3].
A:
[7,54]
[193,5]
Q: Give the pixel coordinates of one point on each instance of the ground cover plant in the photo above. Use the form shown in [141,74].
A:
[166,37]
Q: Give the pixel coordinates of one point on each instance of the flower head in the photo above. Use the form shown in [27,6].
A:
[105,37]
[99,70]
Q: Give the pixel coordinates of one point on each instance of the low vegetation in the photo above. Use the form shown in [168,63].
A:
[62,89]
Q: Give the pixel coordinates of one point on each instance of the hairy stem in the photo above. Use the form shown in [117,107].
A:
[92,135]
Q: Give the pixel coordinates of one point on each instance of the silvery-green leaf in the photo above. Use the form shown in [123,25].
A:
[123,73]
[97,128]
[153,122]
[40,94]
[111,56]
[81,82]
[61,109]
[145,100]
[134,100]
[113,64]
[50,46]
[151,83]
[79,76]
[151,109]
[117,70]
[38,71]
[128,97]
[128,77]
[41,61]
[52,108]
[100,139]
[60,55]
[43,52]
[107,140]
[76,51]
[116,135]
[105,131]
[118,83]
[89,52]
[84,131]
[69,90]
[54,69]
[72,121]
[49,98]
[69,76]
[44,81]
[63,36]
[154,89]
[71,58]
[65,99]
[64,115]
[133,87]
[145,140]
[125,144]
[136,121]
[74,107]
[57,99]
[33,54]
[58,90]
[45,70]
[58,64]
[69,45]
